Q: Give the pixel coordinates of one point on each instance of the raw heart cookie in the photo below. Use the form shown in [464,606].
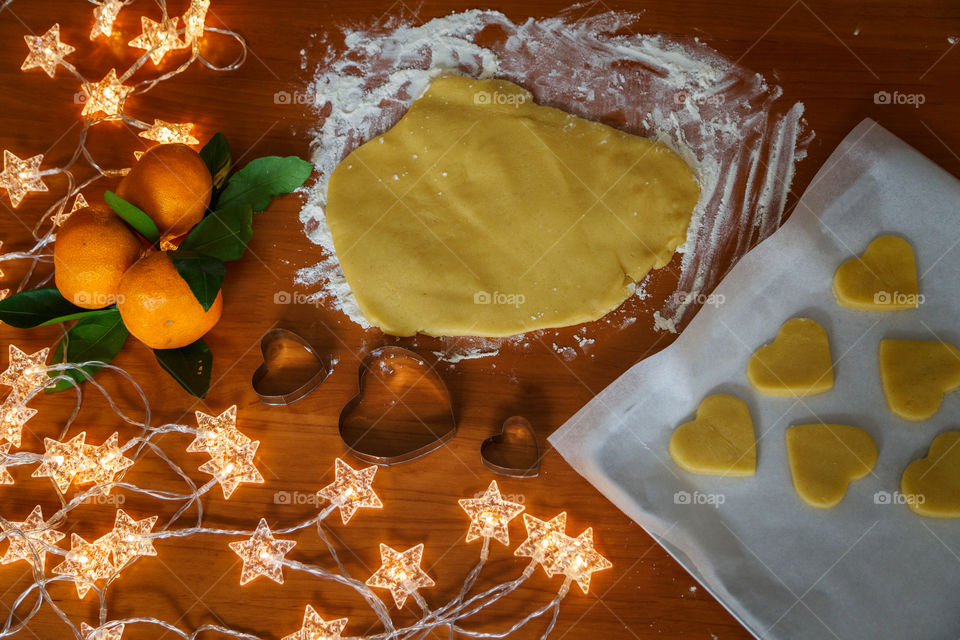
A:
[932,484]
[916,374]
[826,458]
[719,441]
[884,278]
[796,363]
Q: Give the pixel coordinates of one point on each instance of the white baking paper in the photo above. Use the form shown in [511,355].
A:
[869,568]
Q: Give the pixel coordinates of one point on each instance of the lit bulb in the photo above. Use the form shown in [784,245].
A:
[400,573]
[33,539]
[102,464]
[13,415]
[315,628]
[262,554]
[490,515]
[106,97]
[103,633]
[87,562]
[169,132]
[46,51]
[20,177]
[104,15]
[193,21]
[157,38]
[351,490]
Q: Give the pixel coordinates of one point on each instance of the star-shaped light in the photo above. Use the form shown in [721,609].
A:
[107,96]
[62,461]
[79,203]
[351,490]
[5,477]
[102,633]
[231,467]
[262,554]
[217,433]
[400,573]
[46,51]
[193,21]
[86,561]
[170,132]
[546,541]
[129,539]
[159,38]
[580,559]
[490,515]
[20,177]
[102,464]
[104,15]
[13,415]
[25,372]
[33,539]
[3,292]
[315,628]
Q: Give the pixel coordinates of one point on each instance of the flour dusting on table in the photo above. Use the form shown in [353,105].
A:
[724,120]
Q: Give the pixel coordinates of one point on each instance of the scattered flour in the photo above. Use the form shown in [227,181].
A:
[724,120]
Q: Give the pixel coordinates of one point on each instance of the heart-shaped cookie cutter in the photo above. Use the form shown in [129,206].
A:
[514,430]
[273,345]
[380,358]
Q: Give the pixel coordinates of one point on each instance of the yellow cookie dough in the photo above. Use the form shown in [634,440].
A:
[482,213]
[719,441]
[826,458]
[884,278]
[916,374]
[931,485]
[796,363]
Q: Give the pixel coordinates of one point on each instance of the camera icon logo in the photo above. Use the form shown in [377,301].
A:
[681,497]
[282,297]
[482,297]
[882,297]
[882,497]
[282,497]
[282,97]
[481,97]
[882,97]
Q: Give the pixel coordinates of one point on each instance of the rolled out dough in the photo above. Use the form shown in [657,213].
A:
[481,213]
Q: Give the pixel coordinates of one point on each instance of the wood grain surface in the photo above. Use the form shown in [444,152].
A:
[831,55]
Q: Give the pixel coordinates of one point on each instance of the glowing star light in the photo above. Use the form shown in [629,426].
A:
[157,38]
[351,490]
[87,562]
[102,464]
[104,16]
[5,477]
[262,554]
[580,559]
[13,415]
[106,97]
[62,461]
[114,632]
[233,466]
[215,434]
[193,21]
[314,627]
[490,514]
[129,539]
[169,132]
[25,372]
[46,51]
[79,203]
[20,177]
[546,541]
[400,573]
[30,538]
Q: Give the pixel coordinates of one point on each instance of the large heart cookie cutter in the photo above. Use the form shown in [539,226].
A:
[291,368]
[402,409]
[514,452]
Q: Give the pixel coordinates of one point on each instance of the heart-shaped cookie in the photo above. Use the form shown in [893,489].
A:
[884,278]
[718,441]
[916,374]
[402,410]
[826,458]
[796,363]
[514,451]
[931,485]
[290,370]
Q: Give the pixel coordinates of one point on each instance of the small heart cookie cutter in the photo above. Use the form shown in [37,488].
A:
[382,355]
[513,430]
[272,345]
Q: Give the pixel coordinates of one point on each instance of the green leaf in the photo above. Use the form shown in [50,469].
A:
[263,179]
[204,274]
[216,155]
[223,234]
[98,336]
[133,216]
[38,307]
[190,366]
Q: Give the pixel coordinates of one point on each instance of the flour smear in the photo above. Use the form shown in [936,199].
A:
[726,121]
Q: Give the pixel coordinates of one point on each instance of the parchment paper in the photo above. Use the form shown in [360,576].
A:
[870,568]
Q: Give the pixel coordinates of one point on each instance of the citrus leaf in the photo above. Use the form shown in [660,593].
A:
[203,274]
[216,155]
[223,234]
[98,336]
[133,216]
[190,366]
[29,309]
[263,179]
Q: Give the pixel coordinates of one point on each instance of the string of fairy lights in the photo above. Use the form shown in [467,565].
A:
[80,470]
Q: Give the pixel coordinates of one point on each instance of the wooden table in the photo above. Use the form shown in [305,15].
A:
[831,55]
